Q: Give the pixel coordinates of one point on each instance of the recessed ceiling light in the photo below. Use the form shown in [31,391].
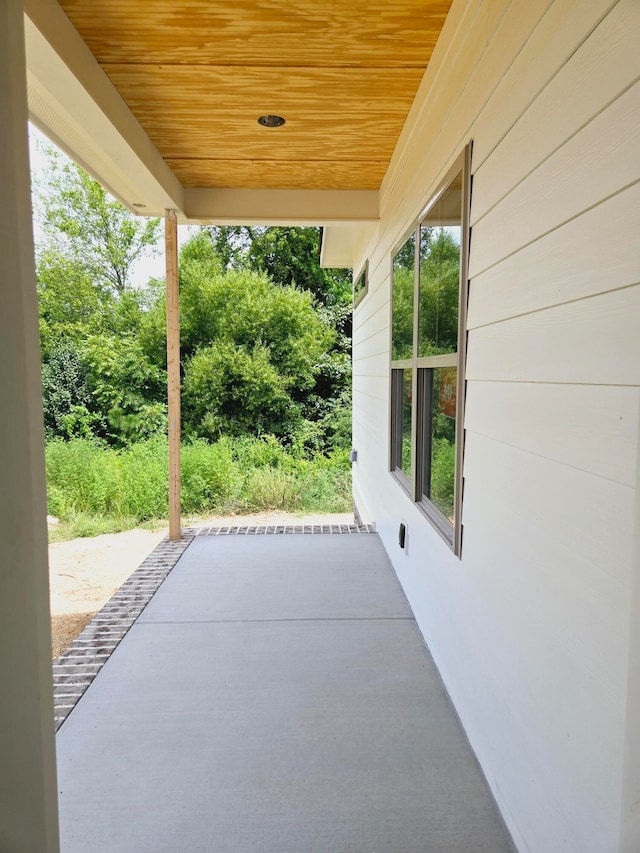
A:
[271,121]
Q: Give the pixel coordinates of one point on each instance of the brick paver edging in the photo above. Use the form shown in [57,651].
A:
[78,665]
[270,530]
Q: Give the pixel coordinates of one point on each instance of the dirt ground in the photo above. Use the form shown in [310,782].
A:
[85,573]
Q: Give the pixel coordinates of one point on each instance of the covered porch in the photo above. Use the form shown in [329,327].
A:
[275,694]
[354,117]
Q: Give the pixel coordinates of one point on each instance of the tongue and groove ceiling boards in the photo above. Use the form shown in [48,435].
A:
[197,74]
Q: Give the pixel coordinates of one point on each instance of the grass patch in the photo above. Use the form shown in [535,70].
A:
[94,489]
[81,524]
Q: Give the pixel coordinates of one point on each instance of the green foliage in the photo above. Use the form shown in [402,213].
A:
[86,475]
[229,390]
[66,391]
[127,387]
[252,348]
[87,480]
[402,301]
[289,256]
[271,489]
[443,465]
[70,303]
[265,349]
[439,292]
[209,476]
[90,228]
[247,308]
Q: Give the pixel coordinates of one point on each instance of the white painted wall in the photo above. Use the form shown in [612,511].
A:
[28,790]
[533,630]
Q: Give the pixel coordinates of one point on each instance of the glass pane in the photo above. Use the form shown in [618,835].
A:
[359,287]
[407,395]
[440,440]
[402,298]
[440,235]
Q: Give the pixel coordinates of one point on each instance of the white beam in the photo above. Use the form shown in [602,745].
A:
[73,101]
[280,207]
[28,789]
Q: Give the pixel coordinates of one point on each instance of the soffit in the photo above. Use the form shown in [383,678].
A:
[197,74]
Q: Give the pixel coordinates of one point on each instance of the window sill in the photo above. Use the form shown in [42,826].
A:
[436,519]
[441,524]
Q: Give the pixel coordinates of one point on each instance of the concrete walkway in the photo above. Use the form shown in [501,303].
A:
[274,696]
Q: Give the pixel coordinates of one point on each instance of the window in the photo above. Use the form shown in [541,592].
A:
[361,286]
[428,341]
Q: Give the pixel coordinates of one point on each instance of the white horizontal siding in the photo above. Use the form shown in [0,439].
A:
[601,420]
[572,509]
[569,264]
[371,386]
[530,629]
[603,67]
[559,33]
[375,324]
[593,341]
[554,612]
[599,161]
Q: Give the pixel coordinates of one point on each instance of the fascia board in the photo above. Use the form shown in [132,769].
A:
[73,101]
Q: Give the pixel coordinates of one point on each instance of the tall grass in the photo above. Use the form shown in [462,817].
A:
[93,487]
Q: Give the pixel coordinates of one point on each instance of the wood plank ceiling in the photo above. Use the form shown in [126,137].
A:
[198,73]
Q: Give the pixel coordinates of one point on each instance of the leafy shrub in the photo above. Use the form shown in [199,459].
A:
[66,391]
[229,390]
[271,488]
[87,475]
[145,472]
[208,475]
[56,502]
[258,452]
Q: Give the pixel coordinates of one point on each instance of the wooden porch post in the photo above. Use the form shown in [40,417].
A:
[173,371]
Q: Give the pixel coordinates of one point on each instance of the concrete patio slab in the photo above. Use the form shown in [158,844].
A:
[280,577]
[283,734]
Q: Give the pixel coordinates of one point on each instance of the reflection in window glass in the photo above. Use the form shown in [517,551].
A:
[402,299]
[440,234]
[439,290]
[360,288]
[439,459]
[407,392]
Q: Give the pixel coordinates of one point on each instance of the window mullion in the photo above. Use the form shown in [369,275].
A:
[414,375]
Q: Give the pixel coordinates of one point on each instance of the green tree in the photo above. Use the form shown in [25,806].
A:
[70,304]
[128,388]
[289,256]
[89,227]
[273,332]
[231,390]
[68,402]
